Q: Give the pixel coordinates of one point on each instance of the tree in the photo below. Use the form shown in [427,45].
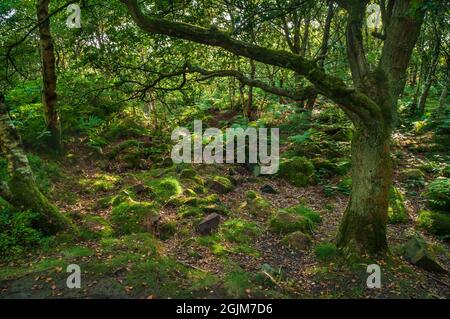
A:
[49,96]
[371,103]
[21,190]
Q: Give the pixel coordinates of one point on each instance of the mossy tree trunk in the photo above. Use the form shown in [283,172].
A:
[363,227]
[21,190]
[49,96]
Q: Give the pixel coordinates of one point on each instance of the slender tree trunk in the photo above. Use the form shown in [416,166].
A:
[324,47]
[49,96]
[429,80]
[443,98]
[21,190]
[363,227]
[250,110]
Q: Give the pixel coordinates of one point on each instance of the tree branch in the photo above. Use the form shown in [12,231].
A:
[298,95]
[354,103]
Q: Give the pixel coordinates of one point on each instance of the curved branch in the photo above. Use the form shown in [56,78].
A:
[352,101]
[298,95]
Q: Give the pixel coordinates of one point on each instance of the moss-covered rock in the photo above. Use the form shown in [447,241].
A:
[220,184]
[305,211]
[299,171]
[418,252]
[297,240]
[435,223]
[256,205]
[165,188]
[397,212]
[284,223]
[188,173]
[438,194]
[96,227]
[240,231]
[167,230]
[134,217]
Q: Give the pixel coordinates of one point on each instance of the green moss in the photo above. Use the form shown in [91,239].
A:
[130,216]
[256,205]
[189,211]
[165,188]
[306,212]
[299,171]
[435,223]
[78,251]
[220,184]
[239,230]
[397,212]
[284,222]
[188,173]
[97,227]
[142,243]
[326,252]
[99,183]
[438,194]
[237,282]
[167,230]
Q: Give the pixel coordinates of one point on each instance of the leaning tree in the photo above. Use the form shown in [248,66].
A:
[370,103]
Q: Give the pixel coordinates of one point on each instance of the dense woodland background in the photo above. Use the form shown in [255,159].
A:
[86,116]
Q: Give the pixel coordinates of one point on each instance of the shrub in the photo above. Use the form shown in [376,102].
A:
[438,194]
[17,233]
[326,251]
[435,223]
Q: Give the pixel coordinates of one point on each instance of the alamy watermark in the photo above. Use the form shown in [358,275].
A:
[74,19]
[235,145]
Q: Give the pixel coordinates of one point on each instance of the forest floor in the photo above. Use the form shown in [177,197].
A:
[188,265]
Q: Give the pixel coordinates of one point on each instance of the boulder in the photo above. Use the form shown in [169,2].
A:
[418,253]
[299,171]
[209,224]
[284,222]
[220,185]
[268,189]
[297,240]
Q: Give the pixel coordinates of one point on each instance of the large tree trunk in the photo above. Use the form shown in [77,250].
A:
[363,227]
[49,96]
[21,190]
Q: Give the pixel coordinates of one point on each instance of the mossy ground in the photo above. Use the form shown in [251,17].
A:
[124,253]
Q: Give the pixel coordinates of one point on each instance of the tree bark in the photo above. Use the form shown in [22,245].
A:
[324,47]
[49,96]
[429,80]
[21,190]
[443,98]
[363,227]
